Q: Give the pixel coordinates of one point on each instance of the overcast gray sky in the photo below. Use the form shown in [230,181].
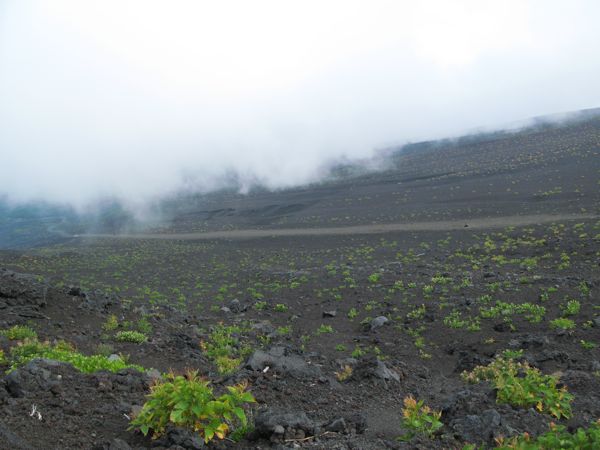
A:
[137,98]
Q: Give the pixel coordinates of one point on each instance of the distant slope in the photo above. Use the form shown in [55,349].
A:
[548,167]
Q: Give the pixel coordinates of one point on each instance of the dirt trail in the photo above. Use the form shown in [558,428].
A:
[445,225]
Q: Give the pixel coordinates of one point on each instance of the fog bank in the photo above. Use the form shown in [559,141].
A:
[138,99]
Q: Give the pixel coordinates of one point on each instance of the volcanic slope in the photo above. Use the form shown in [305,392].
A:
[333,332]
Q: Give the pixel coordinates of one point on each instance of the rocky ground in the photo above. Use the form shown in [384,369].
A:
[333,331]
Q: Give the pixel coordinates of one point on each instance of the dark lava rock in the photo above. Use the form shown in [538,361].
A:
[25,288]
[529,342]
[378,322]
[272,422]
[348,424]
[502,327]
[337,425]
[332,313]
[468,401]
[468,360]
[179,438]
[98,300]
[36,374]
[236,306]
[478,428]
[372,368]
[474,416]
[264,327]
[14,384]
[278,358]
[548,355]
[115,444]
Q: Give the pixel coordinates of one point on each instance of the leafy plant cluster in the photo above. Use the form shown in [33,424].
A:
[62,351]
[531,312]
[136,333]
[419,418]
[519,384]
[223,347]
[557,437]
[189,402]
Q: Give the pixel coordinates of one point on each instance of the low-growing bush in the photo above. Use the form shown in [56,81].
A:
[32,349]
[131,336]
[519,384]
[189,402]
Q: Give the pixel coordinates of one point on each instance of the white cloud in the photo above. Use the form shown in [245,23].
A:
[129,97]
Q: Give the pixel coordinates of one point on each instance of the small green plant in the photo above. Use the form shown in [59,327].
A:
[588,345]
[455,320]
[519,384]
[284,330]
[19,333]
[344,374]
[134,337]
[280,307]
[418,418]
[189,402]
[261,305]
[565,261]
[584,288]
[374,278]
[340,348]
[143,325]
[105,349]
[325,329]
[427,290]
[571,308]
[416,313]
[563,323]
[512,354]
[111,324]
[352,313]
[357,352]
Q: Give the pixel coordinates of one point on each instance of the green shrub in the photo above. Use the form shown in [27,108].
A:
[19,333]
[188,401]
[131,336]
[519,384]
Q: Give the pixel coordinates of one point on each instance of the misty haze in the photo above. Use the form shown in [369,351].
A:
[332,225]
